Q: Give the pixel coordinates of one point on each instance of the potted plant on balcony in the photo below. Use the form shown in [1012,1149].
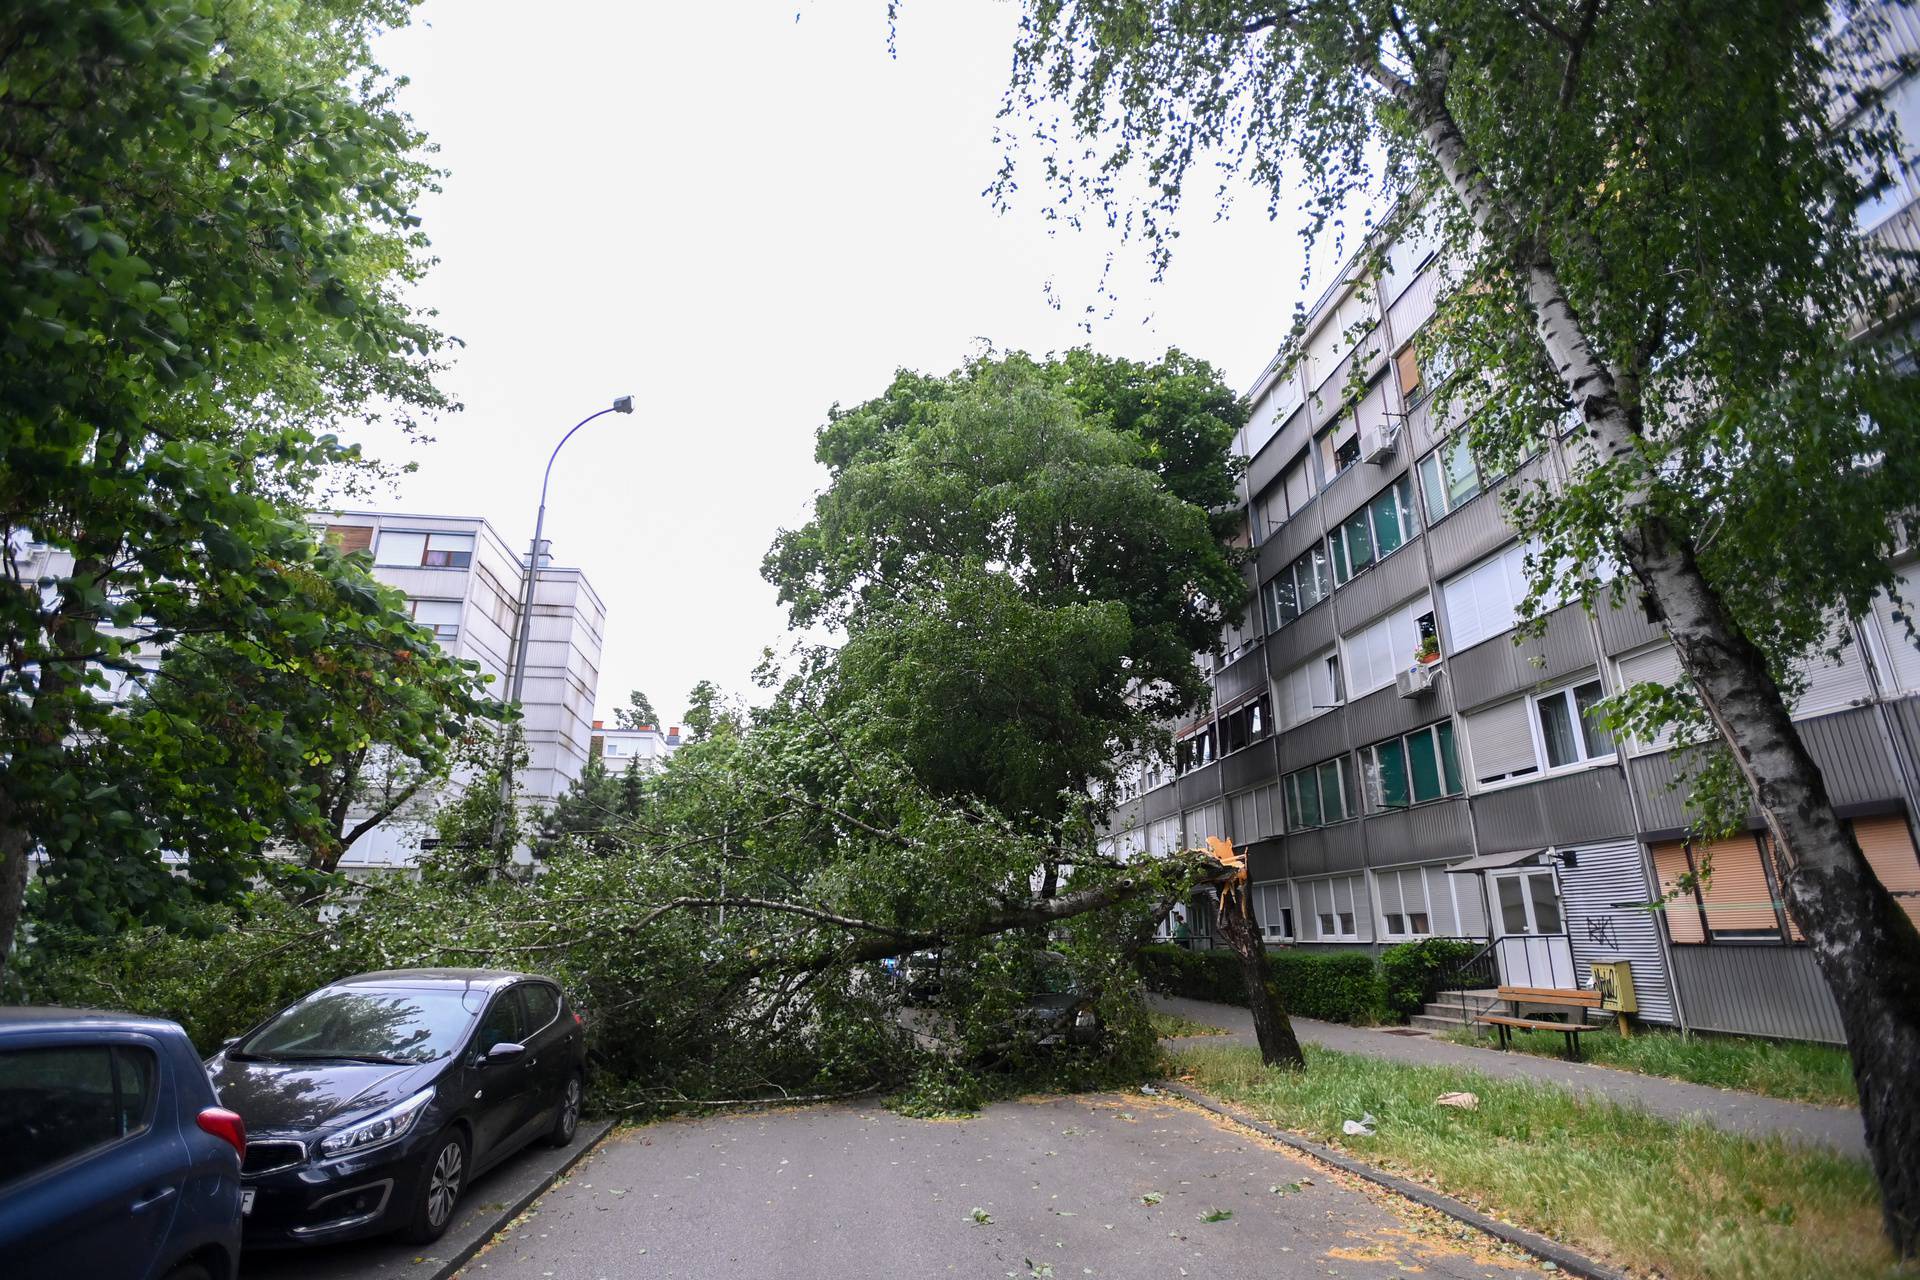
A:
[1428,652]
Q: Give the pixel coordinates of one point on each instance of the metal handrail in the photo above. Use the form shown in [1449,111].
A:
[1477,972]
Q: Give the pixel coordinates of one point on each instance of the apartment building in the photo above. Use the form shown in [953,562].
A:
[643,746]
[462,580]
[1398,767]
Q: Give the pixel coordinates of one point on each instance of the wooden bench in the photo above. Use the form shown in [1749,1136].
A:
[1554,997]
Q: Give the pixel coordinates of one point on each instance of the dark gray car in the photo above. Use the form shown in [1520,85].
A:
[372,1103]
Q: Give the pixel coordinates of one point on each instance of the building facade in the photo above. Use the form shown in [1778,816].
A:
[463,581]
[1399,765]
[644,746]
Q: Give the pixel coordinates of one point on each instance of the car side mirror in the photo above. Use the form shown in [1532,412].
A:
[229,1042]
[504,1052]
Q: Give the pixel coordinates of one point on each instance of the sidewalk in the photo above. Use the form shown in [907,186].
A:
[1836,1127]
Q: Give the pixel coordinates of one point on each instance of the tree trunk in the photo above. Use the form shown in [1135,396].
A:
[1278,1045]
[1867,949]
[16,846]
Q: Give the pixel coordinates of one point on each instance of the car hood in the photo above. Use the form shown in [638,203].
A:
[295,1097]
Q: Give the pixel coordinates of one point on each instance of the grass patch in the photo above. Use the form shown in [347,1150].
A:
[1793,1070]
[1170,1026]
[1681,1199]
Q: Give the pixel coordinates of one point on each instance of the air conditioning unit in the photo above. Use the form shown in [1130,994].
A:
[1378,443]
[1414,681]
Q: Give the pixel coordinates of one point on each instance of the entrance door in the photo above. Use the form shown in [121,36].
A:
[1531,933]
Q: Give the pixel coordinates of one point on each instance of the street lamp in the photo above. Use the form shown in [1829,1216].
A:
[517,651]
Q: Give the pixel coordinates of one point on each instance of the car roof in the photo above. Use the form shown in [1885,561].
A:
[488,979]
[54,1018]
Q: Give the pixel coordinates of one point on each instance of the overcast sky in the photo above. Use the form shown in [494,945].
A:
[741,221]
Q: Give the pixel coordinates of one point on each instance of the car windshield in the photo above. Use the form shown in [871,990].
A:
[398,1026]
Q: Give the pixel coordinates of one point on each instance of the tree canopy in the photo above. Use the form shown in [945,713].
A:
[1019,560]
[209,238]
[637,714]
[1664,315]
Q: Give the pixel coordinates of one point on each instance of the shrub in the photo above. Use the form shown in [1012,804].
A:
[1412,971]
[1335,986]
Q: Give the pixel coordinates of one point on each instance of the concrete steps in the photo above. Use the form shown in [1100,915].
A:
[1451,1009]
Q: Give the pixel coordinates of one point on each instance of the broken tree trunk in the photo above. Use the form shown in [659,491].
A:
[1278,1045]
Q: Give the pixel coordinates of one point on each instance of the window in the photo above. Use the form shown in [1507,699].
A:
[1562,728]
[442,617]
[1287,496]
[448,551]
[1332,907]
[542,1003]
[1570,727]
[1407,368]
[1374,532]
[1884,199]
[1403,903]
[1297,588]
[1377,652]
[403,550]
[505,1023]
[1309,689]
[1485,601]
[1500,741]
[1528,903]
[1657,665]
[1163,834]
[1340,443]
[61,1101]
[1895,651]
[1194,751]
[428,550]
[1273,909]
[1316,796]
[1412,769]
[1449,478]
[1245,725]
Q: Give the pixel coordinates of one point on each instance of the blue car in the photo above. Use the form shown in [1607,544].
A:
[116,1159]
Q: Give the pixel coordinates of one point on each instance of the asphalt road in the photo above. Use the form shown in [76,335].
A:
[1051,1187]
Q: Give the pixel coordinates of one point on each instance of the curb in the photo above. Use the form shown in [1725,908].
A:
[466,1253]
[1569,1262]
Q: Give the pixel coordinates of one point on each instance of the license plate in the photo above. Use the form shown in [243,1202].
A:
[246,1201]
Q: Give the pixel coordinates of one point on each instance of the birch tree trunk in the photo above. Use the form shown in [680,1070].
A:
[1867,949]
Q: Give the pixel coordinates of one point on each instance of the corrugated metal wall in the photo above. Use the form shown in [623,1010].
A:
[1604,896]
[1757,991]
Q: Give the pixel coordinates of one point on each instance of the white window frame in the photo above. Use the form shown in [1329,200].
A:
[1409,525]
[1357,895]
[1400,876]
[441,630]
[1565,696]
[1370,794]
[1438,457]
[1269,602]
[1397,631]
[1288,786]
[1275,897]
[1542,767]
[1318,678]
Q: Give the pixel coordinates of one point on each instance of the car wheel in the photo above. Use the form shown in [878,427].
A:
[441,1179]
[569,1118]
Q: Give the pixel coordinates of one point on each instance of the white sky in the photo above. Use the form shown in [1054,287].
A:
[741,220]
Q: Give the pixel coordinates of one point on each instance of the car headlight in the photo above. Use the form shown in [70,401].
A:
[390,1125]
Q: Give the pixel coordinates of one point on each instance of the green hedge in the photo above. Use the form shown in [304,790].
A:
[1334,986]
[1412,972]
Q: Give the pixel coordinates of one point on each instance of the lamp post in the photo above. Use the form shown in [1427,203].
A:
[517,650]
